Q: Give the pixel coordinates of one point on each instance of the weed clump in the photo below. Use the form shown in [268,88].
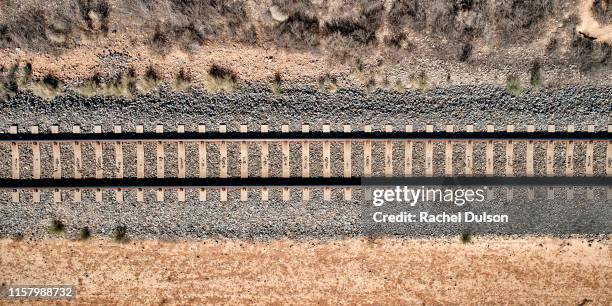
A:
[84,233]
[150,80]
[420,81]
[119,234]
[221,79]
[276,84]
[299,31]
[536,75]
[466,237]
[513,85]
[328,83]
[56,227]
[183,80]
[124,85]
[47,88]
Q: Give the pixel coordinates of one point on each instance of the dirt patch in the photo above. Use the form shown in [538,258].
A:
[590,27]
[486,271]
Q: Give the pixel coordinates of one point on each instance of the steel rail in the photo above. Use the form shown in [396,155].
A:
[312,136]
[275,182]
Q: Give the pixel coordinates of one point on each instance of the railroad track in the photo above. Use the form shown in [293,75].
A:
[449,157]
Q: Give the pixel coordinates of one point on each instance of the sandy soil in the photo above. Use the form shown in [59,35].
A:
[487,271]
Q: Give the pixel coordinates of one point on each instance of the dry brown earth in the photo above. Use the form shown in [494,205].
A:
[524,271]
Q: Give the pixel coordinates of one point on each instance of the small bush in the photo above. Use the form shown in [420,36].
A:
[466,237]
[536,75]
[120,234]
[47,88]
[56,227]
[124,85]
[276,84]
[149,81]
[182,81]
[420,81]
[466,52]
[328,83]
[399,86]
[221,79]
[84,233]
[513,85]
[298,31]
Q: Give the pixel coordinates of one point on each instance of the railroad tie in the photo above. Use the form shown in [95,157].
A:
[140,164]
[589,160]
[286,168]
[367,154]
[202,162]
[244,162]
[490,160]
[223,163]
[57,164]
[180,152]
[118,163]
[469,152]
[408,147]
[388,153]
[529,157]
[326,163]
[305,162]
[429,170]
[550,161]
[14,163]
[509,161]
[264,163]
[35,164]
[78,163]
[347,161]
[98,162]
[448,153]
[569,161]
[160,158]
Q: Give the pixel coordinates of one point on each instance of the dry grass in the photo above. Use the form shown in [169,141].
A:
[220,79]
[122,86]
[183,80]
[525,271]
[513,85]
[277,84]
[328,82]
[47,88]
[149,81]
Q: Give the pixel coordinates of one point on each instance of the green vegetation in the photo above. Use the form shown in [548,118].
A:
[276,84]
[466,237]
[220,79]
[536,75]
[513,85]
[84,233]
[119,234]
[183,80]
[56,227]
[328,83]
[420,81]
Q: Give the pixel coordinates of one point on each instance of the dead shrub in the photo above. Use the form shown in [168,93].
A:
[220,79]
[195,22]
[298,31]
[363,29]
[183,80]
[602,11]
[47,88]
[518,20]
[590,54]
[149,81]
[29,26]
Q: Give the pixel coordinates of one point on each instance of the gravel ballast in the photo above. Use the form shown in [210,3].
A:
[477,105]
